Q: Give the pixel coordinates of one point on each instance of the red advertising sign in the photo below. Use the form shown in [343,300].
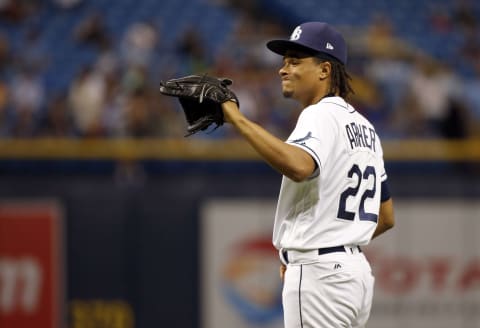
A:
[31,283]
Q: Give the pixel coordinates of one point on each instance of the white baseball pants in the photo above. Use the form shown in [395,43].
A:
[327,291]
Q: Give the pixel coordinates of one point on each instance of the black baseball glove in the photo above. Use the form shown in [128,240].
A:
[201,98]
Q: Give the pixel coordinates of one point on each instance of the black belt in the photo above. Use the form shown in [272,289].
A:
[327,250]
[334,249]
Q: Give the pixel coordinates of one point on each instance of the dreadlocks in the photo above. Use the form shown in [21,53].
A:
[340,79]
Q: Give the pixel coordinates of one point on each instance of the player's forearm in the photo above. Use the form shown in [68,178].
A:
[277,153]
[386,218]
[287,159]
[381,228]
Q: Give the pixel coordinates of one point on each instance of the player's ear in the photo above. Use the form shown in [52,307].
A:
[325,69]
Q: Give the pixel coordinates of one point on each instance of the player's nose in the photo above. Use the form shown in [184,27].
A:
[282,71]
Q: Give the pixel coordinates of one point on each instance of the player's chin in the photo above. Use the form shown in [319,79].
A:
[287,93]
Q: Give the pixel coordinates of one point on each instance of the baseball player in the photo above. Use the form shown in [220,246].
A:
[334,196]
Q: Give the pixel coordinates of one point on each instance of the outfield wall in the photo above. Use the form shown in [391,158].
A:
[139,241]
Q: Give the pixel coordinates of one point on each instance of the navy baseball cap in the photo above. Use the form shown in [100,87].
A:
[315,37]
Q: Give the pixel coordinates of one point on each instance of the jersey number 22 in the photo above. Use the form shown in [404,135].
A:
[352,192]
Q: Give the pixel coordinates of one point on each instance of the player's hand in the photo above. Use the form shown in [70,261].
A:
[283,268]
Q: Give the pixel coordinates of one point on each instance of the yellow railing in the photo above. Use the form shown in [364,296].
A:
[200,149]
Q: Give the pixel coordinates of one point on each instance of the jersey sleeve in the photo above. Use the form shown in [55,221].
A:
[385,190]
[383,175]
[314,133]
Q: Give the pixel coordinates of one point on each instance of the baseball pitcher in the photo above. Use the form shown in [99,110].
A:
[334,196]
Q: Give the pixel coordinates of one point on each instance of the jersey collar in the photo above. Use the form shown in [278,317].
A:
[338,101]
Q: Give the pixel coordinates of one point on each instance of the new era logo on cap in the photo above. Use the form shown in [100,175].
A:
[313,36]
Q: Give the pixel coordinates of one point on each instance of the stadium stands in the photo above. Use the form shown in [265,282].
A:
[187,36]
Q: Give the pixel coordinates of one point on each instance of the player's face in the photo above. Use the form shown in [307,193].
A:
[301,77]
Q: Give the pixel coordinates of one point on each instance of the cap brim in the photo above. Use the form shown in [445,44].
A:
[282,46]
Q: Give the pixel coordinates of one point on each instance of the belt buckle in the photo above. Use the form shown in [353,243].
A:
[354,249]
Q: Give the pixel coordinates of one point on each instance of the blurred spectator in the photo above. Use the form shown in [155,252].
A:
[407,121]
[117,95]
[17,10]
[108,62]
[27,100]
[58,120]
[455,123]
[135,78]
[470,49]
[432,88]
[169,119]
[92,31]
[139,119]
[464,15]
[4,119]
[246,91]
[139,44]
[192,52]
[389,62]
[471,95]
[5,56]
[113,116]
[391,78]
[382,41]
[87,99]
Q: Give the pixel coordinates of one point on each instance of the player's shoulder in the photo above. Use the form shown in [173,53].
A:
[335,109]
[326,107]
[344,111]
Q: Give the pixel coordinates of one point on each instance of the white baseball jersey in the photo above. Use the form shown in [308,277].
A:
[339,204]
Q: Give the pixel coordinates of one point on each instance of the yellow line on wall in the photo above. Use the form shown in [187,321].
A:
[200,149]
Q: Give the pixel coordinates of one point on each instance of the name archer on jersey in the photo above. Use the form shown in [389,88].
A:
[360,135]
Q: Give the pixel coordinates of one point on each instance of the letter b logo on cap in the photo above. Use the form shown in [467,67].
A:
[296,34]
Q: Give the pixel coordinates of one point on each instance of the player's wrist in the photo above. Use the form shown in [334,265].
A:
[230,111]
